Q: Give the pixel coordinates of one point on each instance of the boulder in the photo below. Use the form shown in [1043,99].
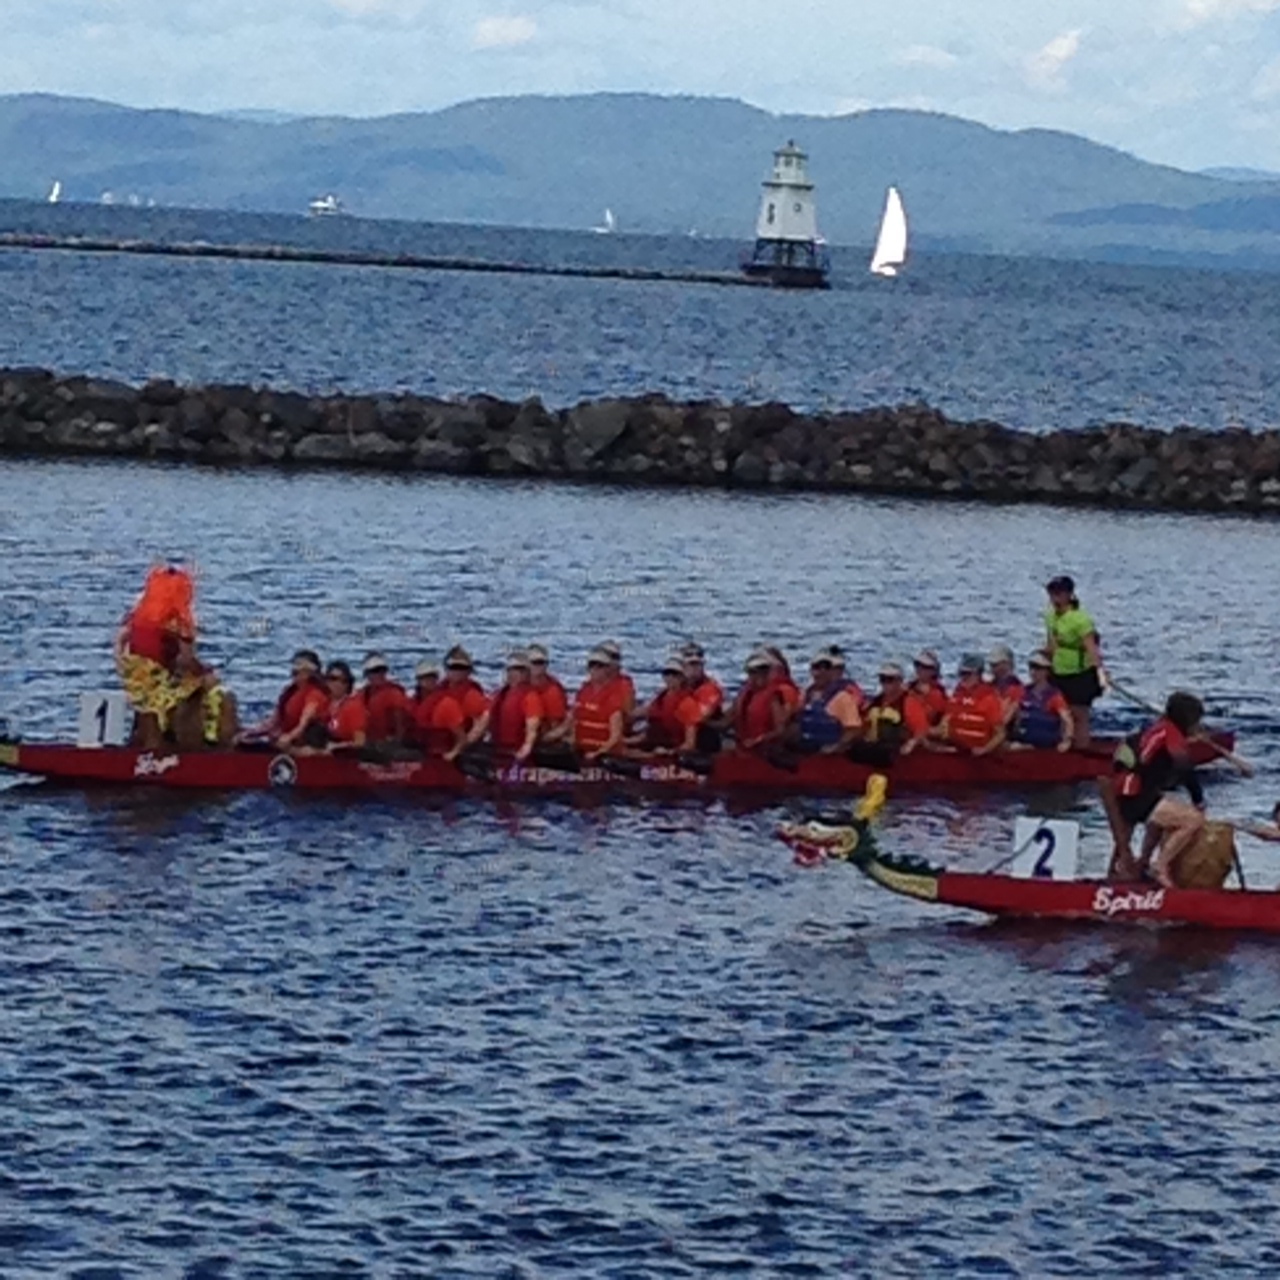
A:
[590,430]
[323,448]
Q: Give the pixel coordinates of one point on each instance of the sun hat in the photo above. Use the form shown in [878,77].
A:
[1000,653]
[538,654]
[674,666]
[758,661]
[375,662]
[890,671]
[611,649]
[458,658]
[600,656]
[927,658]
[517,658]
[829,655]
[426,668]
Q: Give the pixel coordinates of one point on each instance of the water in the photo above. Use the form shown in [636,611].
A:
[250,1036]
[1034,344]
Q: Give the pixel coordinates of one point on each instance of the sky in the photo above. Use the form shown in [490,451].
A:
[1191,83]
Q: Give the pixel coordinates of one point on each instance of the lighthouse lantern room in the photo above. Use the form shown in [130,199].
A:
[787,249]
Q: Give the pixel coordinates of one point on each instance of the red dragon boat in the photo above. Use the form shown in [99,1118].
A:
[729,771]
[1014,897]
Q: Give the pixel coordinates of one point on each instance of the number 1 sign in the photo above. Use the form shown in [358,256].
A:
[1048,849]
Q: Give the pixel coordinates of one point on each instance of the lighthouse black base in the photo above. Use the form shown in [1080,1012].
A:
[789,264]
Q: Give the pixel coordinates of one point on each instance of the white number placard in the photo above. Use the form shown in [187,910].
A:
[1048,849]
[104,720]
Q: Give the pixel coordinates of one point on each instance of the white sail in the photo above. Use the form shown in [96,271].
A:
[891,244]
[609,226]
[56,194]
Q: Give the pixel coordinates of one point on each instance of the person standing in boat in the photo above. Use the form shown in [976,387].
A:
[1147,767]
[975,719]
[1072,645]
[830,719]
[147,649]
[1043,719]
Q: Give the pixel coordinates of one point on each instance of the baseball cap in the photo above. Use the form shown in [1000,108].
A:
[1062,584]
[890,671]
[971,662]
[927,658]
[1041,659]
[306,658]
[1000,653]
[673,666]
[758,661]
[426,668]
[517,658]
[375,662]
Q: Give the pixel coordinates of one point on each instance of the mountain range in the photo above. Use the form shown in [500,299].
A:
[662,164]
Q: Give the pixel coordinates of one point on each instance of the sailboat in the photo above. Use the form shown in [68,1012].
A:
[891,244]
[56,194]
[609,226]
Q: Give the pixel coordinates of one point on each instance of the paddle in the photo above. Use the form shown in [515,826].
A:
[1245,768]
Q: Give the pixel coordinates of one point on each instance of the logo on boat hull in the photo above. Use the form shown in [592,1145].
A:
[282,771]
[1108,902]
[150,766]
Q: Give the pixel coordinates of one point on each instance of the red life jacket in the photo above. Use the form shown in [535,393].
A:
[509,716]
[593,709]
[665,727]
[754,717]
[973,716]
[381,705]
[422,709]
[294,699]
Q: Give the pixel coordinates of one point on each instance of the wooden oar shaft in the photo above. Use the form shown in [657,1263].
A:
[1243,765]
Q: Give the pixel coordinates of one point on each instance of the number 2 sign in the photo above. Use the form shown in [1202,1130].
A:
[1048,849]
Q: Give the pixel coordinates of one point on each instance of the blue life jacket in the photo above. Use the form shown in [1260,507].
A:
[818,727]
[1037,725]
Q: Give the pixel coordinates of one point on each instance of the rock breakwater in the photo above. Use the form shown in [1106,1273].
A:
[910,450]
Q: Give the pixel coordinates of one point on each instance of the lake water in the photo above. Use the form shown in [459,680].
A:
[1033,344]
[255,1036]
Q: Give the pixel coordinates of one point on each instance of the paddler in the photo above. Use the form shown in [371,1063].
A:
[787,688]
[348,723]
[830,720]
[597,719]
[1072,645]
[760,713]
[1043,719]
[1146,769]
[515,714]
[674,716]
[927,685]
[427,692]
[975,719]
[626,686]
[387,707]
[460,717]
[147,650]
[301,711]
[897,719]
[1004,680]
[555,700]
[709,695]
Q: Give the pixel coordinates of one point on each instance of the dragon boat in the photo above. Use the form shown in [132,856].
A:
[1030,896]
[727,771]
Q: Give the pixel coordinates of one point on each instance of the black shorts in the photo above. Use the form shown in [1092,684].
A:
[1081,689]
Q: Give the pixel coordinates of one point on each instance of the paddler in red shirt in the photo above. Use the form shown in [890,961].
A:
[461,714]
[597,719]
[301,710]
[927,686]
[515,713]
[386,704]
[555,700]
[782,680]
[975,719]
[626,686]
[348,725]
[673,717]
[709,696]
[760,711]
[427,692]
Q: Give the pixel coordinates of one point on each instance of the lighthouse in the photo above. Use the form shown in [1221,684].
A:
[787,250]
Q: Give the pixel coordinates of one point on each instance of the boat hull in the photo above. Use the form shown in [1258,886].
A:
[730,771]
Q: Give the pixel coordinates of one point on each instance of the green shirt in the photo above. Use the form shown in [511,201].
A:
[1069,631]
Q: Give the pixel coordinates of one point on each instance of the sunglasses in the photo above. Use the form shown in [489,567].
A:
[538,662]
[457,666]
[890,679]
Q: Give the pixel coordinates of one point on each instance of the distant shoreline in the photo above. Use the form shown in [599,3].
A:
[651,441]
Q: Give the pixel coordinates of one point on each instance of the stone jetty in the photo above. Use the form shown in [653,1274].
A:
[909,449]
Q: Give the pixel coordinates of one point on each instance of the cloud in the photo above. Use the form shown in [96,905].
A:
[1196,12]
[925,55]
[1266,84]
[1043,69]
[503,32]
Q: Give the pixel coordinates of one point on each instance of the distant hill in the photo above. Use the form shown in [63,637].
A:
[662,164]
[1235,173]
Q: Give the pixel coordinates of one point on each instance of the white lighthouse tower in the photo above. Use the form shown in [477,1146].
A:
[787,247]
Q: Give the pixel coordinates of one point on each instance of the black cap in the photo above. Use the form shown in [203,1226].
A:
[1061,585]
